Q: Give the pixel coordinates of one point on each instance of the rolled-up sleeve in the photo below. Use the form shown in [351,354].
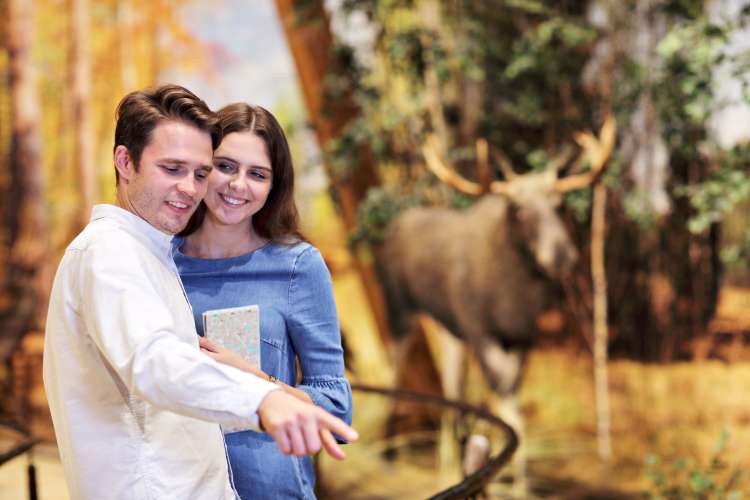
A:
[315,335]
[131,324]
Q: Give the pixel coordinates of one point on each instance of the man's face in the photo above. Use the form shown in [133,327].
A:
[171,179]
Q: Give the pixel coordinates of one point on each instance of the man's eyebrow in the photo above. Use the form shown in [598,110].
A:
[172,161]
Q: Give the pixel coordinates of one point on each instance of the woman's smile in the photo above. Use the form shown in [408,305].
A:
[232,201]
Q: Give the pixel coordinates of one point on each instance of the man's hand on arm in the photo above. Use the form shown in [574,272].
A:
[300,428]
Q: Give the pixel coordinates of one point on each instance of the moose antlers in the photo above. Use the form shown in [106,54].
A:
[598,151]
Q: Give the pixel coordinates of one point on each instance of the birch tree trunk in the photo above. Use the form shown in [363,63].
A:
[599,278]
[23,302]
[80,84]
[128,76]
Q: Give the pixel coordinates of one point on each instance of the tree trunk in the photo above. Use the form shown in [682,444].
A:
[307,30]
[128,74]
[23,302]
[80,84]
[601,337]
[158,9]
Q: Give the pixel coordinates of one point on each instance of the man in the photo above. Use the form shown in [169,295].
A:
[134,402]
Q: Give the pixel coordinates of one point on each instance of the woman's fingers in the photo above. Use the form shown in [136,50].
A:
[207,344]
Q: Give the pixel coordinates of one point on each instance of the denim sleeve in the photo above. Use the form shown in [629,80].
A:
[315,335]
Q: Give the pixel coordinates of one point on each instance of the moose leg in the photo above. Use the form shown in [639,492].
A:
[415,370]
[448,353]
[503,368]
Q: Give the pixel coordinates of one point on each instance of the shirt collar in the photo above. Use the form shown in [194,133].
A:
[157,241]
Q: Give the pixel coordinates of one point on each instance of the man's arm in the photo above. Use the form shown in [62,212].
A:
[132,326]
[284,419]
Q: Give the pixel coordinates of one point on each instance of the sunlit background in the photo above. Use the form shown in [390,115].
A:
[637,378]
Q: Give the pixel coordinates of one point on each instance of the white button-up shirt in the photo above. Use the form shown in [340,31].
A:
[134,402]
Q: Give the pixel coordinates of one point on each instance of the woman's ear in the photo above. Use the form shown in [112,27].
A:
[123,162]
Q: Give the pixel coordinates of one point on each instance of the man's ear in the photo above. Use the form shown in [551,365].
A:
[123,162]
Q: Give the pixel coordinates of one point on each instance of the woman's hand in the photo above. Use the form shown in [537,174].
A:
[231,358]
[228,357]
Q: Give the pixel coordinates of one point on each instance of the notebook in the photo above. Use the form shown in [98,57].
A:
[237,329]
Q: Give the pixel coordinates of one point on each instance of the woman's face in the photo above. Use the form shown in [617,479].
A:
[239,184]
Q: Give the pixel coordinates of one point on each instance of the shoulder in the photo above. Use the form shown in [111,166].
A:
[306,261]
[308,255]
[293,252]
[101,237]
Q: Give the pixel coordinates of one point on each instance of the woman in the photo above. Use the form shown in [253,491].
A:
[243,247]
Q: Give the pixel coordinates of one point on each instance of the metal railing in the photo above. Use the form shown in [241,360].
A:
[473,484]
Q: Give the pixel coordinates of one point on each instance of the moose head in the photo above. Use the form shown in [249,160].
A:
[534,197]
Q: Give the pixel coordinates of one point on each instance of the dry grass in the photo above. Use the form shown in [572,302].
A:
[671,411]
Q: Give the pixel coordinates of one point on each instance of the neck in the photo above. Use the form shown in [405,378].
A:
[217,241]
[122,200]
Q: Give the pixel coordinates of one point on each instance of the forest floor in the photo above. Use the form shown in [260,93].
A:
[671,416]
[674,412]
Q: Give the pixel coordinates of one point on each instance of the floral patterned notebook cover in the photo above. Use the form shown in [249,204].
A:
[237,329]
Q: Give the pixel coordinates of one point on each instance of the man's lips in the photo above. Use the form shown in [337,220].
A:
[179,206]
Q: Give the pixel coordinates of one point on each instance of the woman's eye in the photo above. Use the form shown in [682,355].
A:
[259,174]
[225,167]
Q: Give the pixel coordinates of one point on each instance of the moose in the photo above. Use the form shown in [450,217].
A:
[484,273]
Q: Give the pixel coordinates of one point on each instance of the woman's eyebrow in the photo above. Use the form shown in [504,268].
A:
[225,158]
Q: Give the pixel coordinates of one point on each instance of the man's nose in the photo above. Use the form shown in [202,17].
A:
[188,186]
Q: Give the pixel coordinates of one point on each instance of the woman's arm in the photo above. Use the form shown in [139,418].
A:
[313,329]
[231,358]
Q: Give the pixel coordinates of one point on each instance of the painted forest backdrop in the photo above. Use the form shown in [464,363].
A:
[375,79]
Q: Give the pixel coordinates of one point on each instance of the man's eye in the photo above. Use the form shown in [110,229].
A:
[170,169]
[201,174]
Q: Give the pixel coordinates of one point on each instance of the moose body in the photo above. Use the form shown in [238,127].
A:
[485,272]
[479,273]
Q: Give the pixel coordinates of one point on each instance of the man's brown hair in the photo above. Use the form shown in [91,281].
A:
[140,111]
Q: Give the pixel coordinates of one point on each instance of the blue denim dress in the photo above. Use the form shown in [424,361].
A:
[298,319]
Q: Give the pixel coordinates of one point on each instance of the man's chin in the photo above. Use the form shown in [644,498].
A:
[173,226]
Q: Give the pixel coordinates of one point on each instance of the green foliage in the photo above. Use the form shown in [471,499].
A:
[683,84]
[717,196]
[378,209]
[683,479]
[737,254]
[526,59]
[721,194]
